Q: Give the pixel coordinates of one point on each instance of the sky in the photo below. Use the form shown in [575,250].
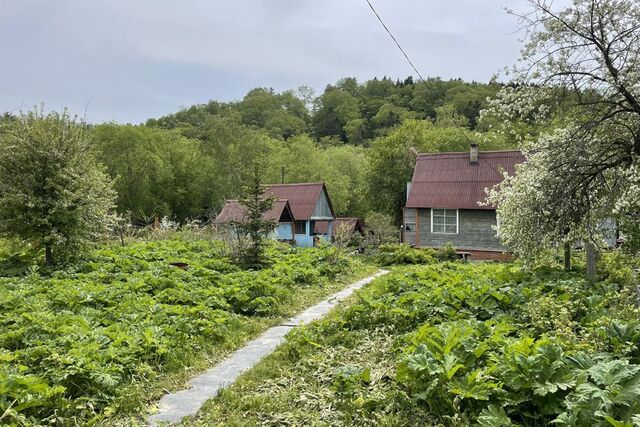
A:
[130,60]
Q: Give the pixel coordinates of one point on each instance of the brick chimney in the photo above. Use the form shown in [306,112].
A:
[473,154]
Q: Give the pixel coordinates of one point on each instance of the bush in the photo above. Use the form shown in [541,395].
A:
[447,253]
[401,253]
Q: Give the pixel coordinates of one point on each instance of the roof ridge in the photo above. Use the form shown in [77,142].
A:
[296,183]
[466,153]
[448,181]
[237,200]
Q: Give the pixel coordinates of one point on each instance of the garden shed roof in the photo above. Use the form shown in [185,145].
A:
[302,198]
[233,211]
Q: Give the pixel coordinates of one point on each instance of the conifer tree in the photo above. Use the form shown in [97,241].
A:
[254,225]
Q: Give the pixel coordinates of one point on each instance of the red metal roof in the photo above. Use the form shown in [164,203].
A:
[302,197]
[234,211]
[449,180]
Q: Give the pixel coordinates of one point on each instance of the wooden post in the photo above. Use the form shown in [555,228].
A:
[636,279]
[417,240]
[590,250]
[48,254]
[402,240]
[567,256]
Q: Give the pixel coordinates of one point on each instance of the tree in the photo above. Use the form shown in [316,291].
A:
[157,172]
[51,187]
[379,229]
[585,168]
[281,115]
[335,108]
[254,225]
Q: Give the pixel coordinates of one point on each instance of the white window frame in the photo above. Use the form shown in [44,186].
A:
[457,221]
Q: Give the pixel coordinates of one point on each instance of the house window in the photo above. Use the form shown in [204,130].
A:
[410,226]
[444,221]
[301,227]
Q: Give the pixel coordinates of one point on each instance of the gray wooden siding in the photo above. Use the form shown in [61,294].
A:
[409,226]
[475,230]
[322,210]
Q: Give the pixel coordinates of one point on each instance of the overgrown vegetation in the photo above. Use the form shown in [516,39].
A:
[457,344]
[399,254]
[76,344]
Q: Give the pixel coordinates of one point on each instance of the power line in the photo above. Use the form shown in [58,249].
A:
[422,79]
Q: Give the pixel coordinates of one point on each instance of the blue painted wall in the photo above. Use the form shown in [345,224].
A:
[284,231]
[304,240]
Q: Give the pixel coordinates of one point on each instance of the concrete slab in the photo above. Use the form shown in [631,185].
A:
[175,406]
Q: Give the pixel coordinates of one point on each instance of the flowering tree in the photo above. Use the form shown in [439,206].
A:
[580,82]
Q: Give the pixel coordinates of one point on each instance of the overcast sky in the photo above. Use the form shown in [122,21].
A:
[130,60]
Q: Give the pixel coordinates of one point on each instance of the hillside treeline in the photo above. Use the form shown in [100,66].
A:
[354,136]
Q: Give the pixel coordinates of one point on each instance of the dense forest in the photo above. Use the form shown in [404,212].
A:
[354,136]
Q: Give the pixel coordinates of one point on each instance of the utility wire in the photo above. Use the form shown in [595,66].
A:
[422,79]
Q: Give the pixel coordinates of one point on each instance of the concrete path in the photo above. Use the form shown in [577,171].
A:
[174,406]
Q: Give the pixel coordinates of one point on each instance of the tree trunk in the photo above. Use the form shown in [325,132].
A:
[567,256]
[591,260]
[48,254]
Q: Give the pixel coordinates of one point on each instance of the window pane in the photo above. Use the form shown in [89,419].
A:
[444,221]
[410,226]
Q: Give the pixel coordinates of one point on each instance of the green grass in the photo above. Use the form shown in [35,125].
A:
[98,342]
[454,344]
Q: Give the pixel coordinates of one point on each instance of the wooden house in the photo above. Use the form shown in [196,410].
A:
[280,213]
[443,201]
[309,203]
[298,208]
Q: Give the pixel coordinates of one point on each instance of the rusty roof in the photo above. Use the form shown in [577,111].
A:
[302,197]
[449,180]
[233,211]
